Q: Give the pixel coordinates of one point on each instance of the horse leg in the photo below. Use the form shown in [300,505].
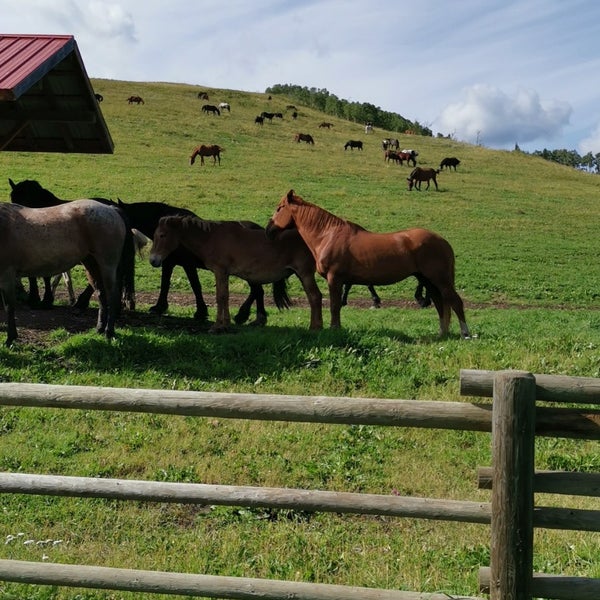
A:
[9,299]
[315,299]
[374,297]
[48,299]
[201,309]
[83,301]
[33,299]
[335,301]
[223,320]
[259,295]
[455,301]
[345,291]
[162,303]
[243,313]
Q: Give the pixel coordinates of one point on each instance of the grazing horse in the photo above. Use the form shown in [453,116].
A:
[353,144]
[304,137]
[346,253]
[397,157]
[421,174]
[412,157]
[389,143]
[259,120]
[135,100]
[369,128]
[228,248]
[145,216]
[267,115]
[31,194]
[40,242]
[209,108]
[202,96]
[325,125]
[202,151]
[225,106]
[449,162]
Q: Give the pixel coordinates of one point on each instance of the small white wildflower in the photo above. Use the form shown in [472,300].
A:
[28,542]
[56,542]
[45,557]
[9,538]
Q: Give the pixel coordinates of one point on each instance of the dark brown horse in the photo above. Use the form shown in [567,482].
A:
[209,108]
[228,248]
[304,137]
[135,100]
[420,174]
[346,253]
[39,242]
[202,151]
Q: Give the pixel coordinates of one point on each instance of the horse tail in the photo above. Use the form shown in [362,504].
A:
[280,295]
[126,269]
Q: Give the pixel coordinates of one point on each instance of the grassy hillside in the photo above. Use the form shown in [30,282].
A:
[525,233]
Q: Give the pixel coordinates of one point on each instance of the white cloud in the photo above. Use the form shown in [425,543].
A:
[591,143]
[492,117]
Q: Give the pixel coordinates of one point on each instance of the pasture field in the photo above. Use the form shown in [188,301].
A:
[525,234]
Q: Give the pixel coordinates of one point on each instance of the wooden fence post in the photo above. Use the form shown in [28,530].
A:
[513,450]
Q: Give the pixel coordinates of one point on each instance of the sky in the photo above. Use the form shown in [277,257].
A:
[495,73]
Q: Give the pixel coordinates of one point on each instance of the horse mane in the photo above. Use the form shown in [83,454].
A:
[320,217]
[31,186]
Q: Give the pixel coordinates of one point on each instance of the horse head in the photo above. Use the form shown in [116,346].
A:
[283,217]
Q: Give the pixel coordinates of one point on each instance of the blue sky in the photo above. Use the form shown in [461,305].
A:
[492,72]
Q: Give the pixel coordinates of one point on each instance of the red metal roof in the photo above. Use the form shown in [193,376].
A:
[24,59]
[47,103]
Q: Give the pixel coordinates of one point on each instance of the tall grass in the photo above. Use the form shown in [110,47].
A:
[525,236]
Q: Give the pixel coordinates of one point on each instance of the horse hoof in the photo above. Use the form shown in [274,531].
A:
[201,316]
[158,310]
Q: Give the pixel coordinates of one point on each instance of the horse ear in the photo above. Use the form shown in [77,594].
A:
[291,196]
[12,183]
[120,202]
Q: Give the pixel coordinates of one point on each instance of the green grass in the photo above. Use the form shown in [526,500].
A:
[525,235]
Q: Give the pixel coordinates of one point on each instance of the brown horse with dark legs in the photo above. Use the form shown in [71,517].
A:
[228,248]
[346,253]
[203,150]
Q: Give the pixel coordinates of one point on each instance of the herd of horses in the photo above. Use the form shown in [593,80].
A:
[44,235]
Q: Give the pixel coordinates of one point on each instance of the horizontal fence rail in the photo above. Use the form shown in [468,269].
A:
[185,584]
[552,586]
[286,498]
[570,423]
[549,388]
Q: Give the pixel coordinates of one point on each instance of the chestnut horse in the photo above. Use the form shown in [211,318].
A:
[202,151]
[304,137]
[346,253]
[39,242]
[228,248]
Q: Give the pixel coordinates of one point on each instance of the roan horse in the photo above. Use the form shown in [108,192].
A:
[31,194]
[228,248]
[145,216]
[203,150]
[346,253]
[40,242]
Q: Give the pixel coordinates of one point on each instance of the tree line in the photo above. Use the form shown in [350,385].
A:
[358,112]
[571,158]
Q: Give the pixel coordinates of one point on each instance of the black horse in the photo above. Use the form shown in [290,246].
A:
[31,194]
[353,144]
[144,216]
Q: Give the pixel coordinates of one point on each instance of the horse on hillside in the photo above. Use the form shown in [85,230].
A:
[353,144]
[228,248]
[449,161]
[304,137]
[225,106]
[203,150]
[145,217]
[209,108]
[135,100]
[31,194]
[421,174]
[40,242]
[346,253]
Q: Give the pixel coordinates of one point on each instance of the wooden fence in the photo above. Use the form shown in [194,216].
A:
[512,417]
